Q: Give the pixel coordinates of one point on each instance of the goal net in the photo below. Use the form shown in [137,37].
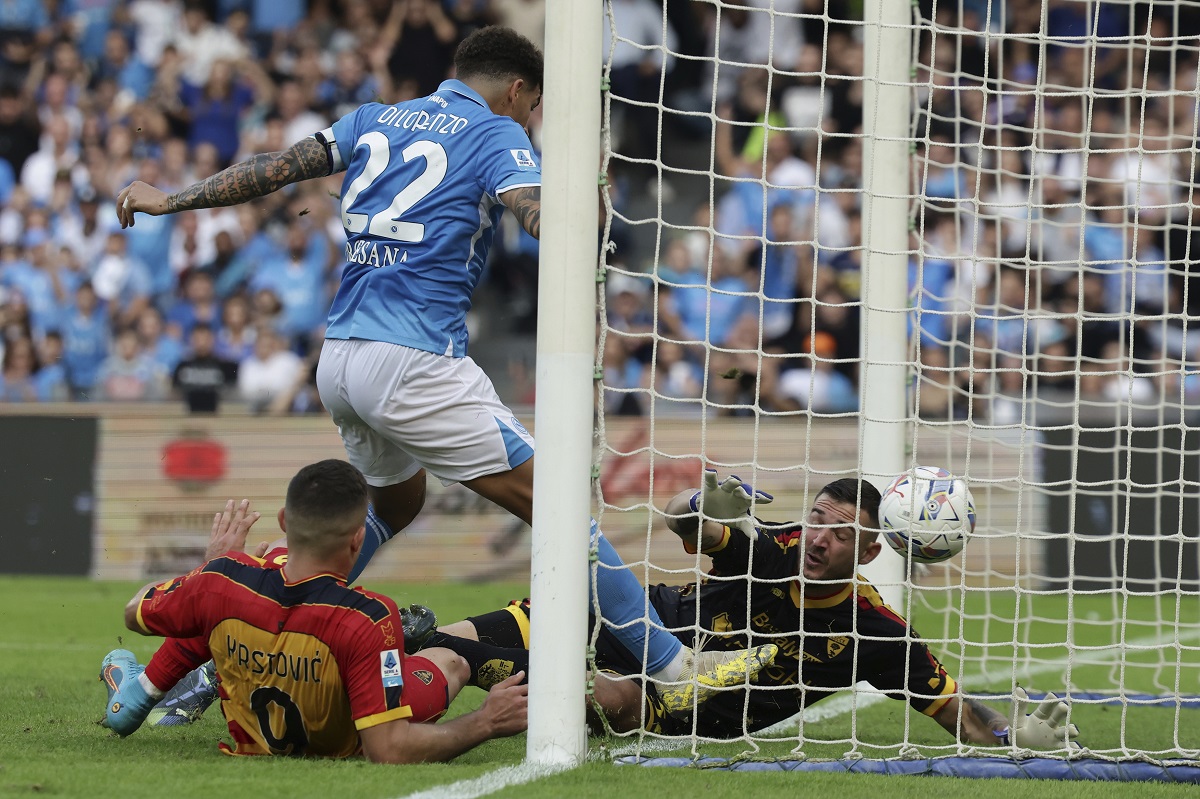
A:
[956,234]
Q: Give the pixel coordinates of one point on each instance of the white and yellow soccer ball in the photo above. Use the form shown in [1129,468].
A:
[928,513]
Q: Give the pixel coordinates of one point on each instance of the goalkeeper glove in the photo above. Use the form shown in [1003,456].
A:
[1043,728]
[729,502]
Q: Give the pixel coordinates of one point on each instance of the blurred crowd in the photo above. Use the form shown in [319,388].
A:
[221,303]
[1051,229]
[1049,255]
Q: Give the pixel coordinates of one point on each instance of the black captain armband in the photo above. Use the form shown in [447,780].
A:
[332,155]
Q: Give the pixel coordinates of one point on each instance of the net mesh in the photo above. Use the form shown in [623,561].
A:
[1052,359]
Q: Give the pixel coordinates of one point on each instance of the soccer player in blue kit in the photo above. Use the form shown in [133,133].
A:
[426,182]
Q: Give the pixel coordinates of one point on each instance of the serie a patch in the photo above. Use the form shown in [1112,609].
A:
[524,159]
[390,669]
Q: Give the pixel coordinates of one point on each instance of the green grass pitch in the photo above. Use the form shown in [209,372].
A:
[53,633]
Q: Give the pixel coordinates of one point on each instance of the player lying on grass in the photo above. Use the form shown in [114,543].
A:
[803,580]
[425,183]
[306,665]
[183,670]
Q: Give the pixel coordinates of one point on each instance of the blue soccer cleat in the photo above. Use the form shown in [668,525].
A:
[128,702]
[188,700]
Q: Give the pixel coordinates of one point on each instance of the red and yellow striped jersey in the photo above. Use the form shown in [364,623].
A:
[303,666]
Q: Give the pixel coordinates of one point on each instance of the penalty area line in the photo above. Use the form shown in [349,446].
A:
[490,782]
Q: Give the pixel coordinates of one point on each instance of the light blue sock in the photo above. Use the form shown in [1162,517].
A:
[378,534]
[623,600]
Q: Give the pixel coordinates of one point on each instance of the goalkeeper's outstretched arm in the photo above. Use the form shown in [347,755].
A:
[1044,728]
[255,177]
[980,724]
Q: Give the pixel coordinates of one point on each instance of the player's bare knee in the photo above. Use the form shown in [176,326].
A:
[620,701]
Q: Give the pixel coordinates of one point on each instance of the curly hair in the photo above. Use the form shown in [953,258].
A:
[500,54]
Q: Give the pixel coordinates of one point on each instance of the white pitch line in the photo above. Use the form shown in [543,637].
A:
[864,696]
[525,773]
[489,783]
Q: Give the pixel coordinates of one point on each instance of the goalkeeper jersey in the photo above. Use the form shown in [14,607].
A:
[826,642]
[302,665]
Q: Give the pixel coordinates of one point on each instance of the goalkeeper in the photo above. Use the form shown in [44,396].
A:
[789,584]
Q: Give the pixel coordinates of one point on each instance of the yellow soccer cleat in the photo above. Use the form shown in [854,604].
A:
[706,673]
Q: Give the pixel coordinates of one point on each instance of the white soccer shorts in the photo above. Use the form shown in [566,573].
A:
[399,409]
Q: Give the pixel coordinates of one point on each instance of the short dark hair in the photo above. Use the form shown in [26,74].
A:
[325,500]
[500,54]
[848,489]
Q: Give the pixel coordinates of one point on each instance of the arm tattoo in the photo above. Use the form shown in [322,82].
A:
[988,716]
[255,177]
[526,204]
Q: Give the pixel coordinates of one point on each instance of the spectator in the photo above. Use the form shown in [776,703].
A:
[266,308]
[51,378]
[126,69]
[199,304]
[420,40]
[85,341]
[675,377]
[203,376]
[129,374]
[36,285]
[694,307]
[56,153]
[235,339]
[85,228]
[299,120]
[526,17]
[350,86]
[201,43]
[215,109]
[623,395]
[159,347]
[297,278]
[629,309]
[19,129]
[122,281]
[637,72]
[17,381]
[270,373]
[818,386]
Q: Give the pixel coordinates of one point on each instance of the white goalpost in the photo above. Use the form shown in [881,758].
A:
[845,239]
[565,353]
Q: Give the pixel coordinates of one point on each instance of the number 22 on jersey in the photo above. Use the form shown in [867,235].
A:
[387,224]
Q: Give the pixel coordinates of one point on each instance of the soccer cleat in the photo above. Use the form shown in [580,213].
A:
[419,624]
[128,702]
[706,673]
[188,700]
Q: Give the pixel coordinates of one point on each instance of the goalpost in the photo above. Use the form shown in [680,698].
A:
[847,239]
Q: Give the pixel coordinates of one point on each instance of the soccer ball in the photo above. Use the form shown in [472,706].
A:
[927,514]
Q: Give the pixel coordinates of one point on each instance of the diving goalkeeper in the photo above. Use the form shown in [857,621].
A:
[790,584]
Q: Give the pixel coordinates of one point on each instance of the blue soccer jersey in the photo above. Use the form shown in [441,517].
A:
[420,203]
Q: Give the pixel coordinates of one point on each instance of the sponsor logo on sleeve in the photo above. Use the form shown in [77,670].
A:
[390,669]
[524,159]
